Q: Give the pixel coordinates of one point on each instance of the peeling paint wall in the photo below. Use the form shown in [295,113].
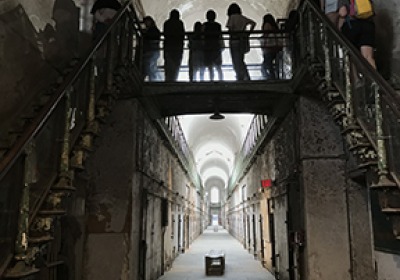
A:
[141,209]
[387,21]
[328,214]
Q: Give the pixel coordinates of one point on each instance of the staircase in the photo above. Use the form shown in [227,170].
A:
[70,115]
[47,146]
[362,103]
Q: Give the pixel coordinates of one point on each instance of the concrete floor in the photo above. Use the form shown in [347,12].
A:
[239,264]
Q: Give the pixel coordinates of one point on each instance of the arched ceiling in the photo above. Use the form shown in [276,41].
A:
[215,143]
[194,10]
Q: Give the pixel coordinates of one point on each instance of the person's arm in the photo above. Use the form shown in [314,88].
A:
[252,24]
[322,4]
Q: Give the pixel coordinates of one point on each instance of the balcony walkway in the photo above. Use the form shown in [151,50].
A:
[239,264]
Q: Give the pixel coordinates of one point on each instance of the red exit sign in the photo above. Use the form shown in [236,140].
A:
[266,183]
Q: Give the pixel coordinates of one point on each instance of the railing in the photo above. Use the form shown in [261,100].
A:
[259,128]
[369,99]
[283,63]
[173,131]
[39,161]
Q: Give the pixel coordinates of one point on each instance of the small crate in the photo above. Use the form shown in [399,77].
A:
[215,262]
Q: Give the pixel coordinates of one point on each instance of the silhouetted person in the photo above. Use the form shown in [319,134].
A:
[174,35]
[151,49]
[270,46]
[292,21]
[238,22]
[214,45]
[103,11]
[196,52]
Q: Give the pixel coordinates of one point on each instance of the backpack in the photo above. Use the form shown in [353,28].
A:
[361,9]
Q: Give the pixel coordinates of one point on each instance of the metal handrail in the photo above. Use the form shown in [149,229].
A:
[372,103]
[38,122]
[21,174]
[389,93]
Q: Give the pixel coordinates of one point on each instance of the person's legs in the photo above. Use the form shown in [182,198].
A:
[153,71]
[211,71]
[368,53]
[173,61]
[367,41]
[168,68]
[235,55]
[333,17]
[219,71]
[267,66]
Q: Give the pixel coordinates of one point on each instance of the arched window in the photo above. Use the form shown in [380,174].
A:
[214,195]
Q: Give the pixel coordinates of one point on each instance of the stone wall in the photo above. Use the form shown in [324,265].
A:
[387,21]
[313,213]
[137,211]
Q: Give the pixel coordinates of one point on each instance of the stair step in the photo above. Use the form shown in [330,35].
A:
[367,164]
[384,184]
[338,115]
[335,101]
[53,264]
[40,239]
[351,128]
[359,145]
[57,212]
[19,272]
[389,210]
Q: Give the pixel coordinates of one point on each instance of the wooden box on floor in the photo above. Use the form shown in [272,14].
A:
[215,262]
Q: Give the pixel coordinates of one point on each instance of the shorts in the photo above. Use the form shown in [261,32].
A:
[360,32]
[332,6]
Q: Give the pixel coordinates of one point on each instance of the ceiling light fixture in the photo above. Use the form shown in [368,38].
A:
[217,116]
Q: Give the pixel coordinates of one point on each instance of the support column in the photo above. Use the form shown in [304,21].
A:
[322,161]
[114,200]
[362,259]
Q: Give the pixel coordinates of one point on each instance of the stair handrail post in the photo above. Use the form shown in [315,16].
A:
[383,172]
[348,90]
[311,27]
[65,173]
[328,68]
[23,259]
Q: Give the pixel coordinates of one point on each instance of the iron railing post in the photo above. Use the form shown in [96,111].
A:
[23,258]
[383,172]
[65,174]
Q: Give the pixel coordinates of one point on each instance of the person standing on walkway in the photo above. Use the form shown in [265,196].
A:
[174,35]
[196,53]
[239,43]
[151,49]
[270,46]
[214,45]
